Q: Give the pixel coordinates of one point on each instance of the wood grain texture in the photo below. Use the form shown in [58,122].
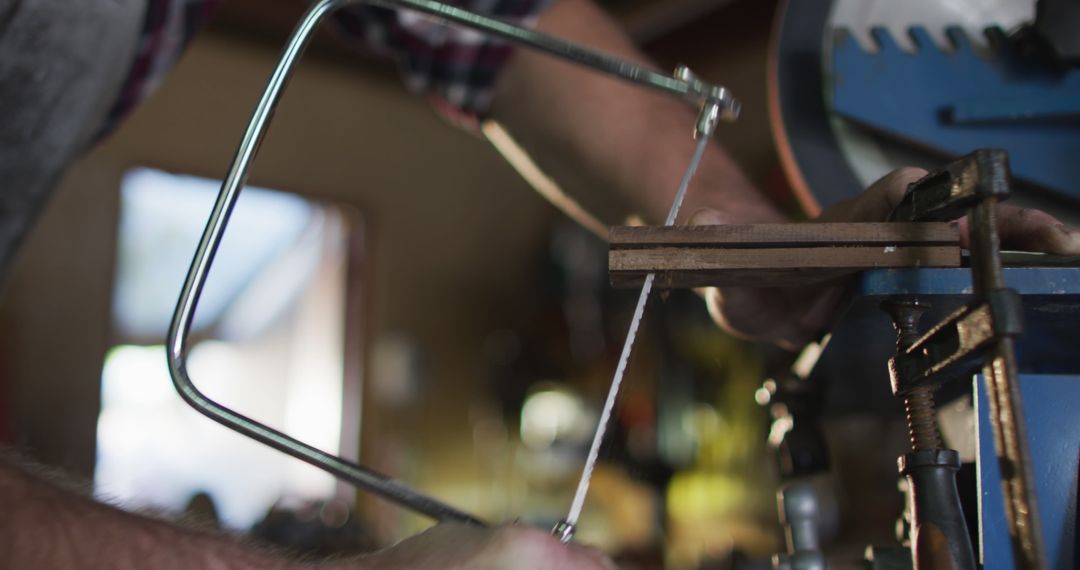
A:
[774,255]
[785,235]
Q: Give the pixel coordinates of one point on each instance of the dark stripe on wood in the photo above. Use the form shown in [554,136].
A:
[785,235]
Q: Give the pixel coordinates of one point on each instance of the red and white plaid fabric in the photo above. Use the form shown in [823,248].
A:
[456,67]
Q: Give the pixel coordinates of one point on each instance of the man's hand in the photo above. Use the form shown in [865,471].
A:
[459,547]
[1020,229]
[591,133]
[791,317]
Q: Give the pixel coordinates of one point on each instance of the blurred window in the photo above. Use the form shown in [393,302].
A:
[269,341]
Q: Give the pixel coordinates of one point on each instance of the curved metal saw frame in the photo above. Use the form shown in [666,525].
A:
[682,84]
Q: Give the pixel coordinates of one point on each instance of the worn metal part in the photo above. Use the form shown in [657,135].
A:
[1006,410]
[1049,365]
[949,193]
[921,418]
[1050,401]
[956,347]
[800,514]
[918,400]
[939,536]
[981,333]
[564,531]
[715,99]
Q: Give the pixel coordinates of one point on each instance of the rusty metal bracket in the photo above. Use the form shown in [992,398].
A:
[956,347]
[951,192]
[980,334]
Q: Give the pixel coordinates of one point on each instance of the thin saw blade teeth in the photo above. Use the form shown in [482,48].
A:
[883,40]
[922,40]
[958,39]
[919,41]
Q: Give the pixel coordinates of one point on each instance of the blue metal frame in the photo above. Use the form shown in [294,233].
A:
[954,101]
[852,366]
[1051,405]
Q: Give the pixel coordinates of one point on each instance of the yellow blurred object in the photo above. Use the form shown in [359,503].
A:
[623,512]
[717,506]
[698,495]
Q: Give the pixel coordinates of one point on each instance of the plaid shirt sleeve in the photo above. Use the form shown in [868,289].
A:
[168,26]
[456,67]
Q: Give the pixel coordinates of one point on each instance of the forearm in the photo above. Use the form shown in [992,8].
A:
[47,528]
[590,132]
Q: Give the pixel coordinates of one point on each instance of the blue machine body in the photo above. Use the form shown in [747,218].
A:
[1052,412]
[954,101]
[863,339]
[853,369]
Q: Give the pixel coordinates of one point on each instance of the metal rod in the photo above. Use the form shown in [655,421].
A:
[236,177]
[204,255]
[1006,410]
[693,89]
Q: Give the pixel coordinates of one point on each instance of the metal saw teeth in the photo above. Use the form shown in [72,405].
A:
[956,97]
[958,41]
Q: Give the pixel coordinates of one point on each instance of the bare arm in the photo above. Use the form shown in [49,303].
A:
[47,528]
[593,133]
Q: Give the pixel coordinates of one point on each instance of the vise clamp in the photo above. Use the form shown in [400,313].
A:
[978,335]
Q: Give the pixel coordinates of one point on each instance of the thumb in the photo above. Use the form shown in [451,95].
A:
[875,204]
[710,217]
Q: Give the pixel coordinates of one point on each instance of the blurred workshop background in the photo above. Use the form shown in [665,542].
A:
[391,291]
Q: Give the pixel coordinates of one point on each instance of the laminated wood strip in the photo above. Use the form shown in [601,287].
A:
[682,267]
[785,235]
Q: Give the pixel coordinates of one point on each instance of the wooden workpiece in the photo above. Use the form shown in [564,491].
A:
[774,255]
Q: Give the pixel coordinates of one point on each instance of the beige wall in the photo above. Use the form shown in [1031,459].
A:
[448,226]
[54,321]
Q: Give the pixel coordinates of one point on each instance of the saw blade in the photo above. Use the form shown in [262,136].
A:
[565,529]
